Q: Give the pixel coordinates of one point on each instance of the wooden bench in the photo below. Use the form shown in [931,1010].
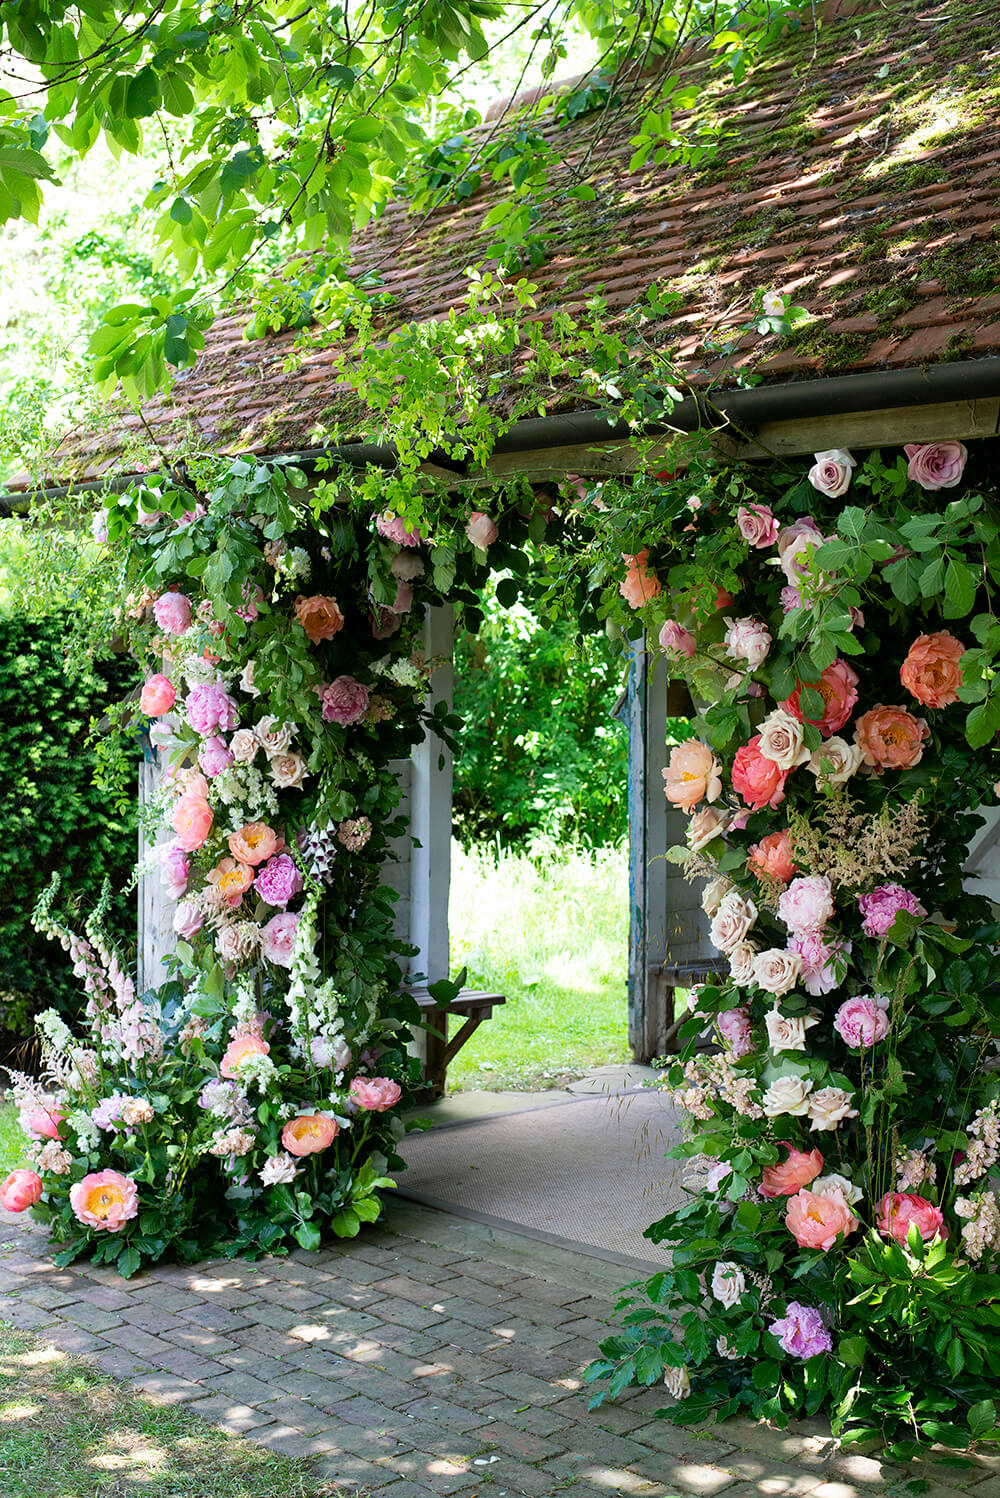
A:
[473,1006]
[662,980]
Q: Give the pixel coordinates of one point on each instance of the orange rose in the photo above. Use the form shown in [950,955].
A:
[192,822]
[232,879]
[308,1134]
[253,844]
[692,775]
[320,617]
[890,738]
[931,672]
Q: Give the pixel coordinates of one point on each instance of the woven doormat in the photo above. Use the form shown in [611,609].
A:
[588,1175]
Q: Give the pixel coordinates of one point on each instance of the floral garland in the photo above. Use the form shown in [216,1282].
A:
[840,1248]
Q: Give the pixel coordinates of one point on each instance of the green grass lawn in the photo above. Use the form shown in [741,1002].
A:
[552,935]
[67,1431]
[13,1144]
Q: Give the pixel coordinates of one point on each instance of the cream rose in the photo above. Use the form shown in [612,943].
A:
[728,1283]
[287,771]
[781,740]
[274,737]
[786,1032]
[741,962]
[243,745]
[731,922]
[703,827]
[714,893]
[829,1106]
[776,970]
[678,1382]
[787,1094]
[247,681]
[834,762]
[824,1185]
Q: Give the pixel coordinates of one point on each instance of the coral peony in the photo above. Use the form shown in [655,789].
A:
[771,858]
[41,1120]
[319,616]
[375,1094]
[816,1219]
[232,879]
[192,821]
[838,687]
[105,1201]
[758,781]
[936,465]
[254,843]
[692,775]
[278,938]
[157,696]
[309,1134]
[931,671]
[899,1209]
[239,1049]
[862,1020]
[173,613]
[790,1175]
[343,700]
[801,1331]
[21,1190]
[640,585]
[890,738]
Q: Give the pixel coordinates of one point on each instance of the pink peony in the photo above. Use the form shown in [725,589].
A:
[175,866]
[675,640]
[936,465]
[173,613]
[790,1175]
[736,1031]
[214,756]
[931,670]
[395,528]
[881,907]
[831,472]
[41,1121]
[816,1219]
[692,775]
[192,821]
[801,1331]
[898,1209]
[21,1190]
[105,1201]
[208,708]
[756,780]
[757,525]
[157,696]
[188,919]
[807,903]
[838,687]
[278,938]
[890,738]
[823,963]
[375,1094]
[278,880]
[481,530]
[343,700]
[640,585]
[771,858]
[863,1020]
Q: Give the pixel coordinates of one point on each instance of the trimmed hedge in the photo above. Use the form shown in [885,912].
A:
[52,816]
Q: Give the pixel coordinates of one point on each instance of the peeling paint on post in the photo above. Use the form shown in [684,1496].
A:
[156,909]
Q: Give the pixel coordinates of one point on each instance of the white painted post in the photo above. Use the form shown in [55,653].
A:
[430,815]
[156,909]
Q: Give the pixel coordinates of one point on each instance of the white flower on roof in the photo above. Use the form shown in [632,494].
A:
[773,303]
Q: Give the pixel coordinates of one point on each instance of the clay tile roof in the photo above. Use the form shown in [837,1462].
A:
[857,175]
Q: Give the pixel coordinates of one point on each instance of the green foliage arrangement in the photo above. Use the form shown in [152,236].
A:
[52,814]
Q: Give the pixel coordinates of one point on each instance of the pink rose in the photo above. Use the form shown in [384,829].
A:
[188,919]
[175,866]
[278,938]
[692,775]
[863,1020]
[640,585]
[816,1219]
[890,738]
[788,542]
[173,613]
[736,1031]
[208,708]
[748,640]
[374,1094]
[675,640]
[838,687]
[395,528]
[823,963]
[807,903]
[214,756]
[756,780]
[791,598]
[278,880]
[898,1209]
[481,530]
[105,1201]
[157,696]
[771,858]
[757,525]
[343,700]
[41,1122]
[936,465]
[831,472]
[790,1175]
[21,1190]
[881,907]
[192,821]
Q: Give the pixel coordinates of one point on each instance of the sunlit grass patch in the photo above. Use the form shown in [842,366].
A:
[13,1143]
[67,1431]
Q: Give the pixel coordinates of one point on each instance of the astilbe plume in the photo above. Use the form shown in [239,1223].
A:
[853,848]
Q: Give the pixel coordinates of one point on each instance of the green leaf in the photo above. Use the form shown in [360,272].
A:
[142,97]
[308,1235]
[852,1350]
[982,1417]
[960,585]
[128,1262]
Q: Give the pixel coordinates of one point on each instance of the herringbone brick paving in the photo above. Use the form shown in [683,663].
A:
[432,1358]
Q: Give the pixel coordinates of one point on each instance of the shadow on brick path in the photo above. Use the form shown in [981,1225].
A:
[435,1357]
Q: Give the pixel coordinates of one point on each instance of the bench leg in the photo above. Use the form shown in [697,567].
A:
[437,1051]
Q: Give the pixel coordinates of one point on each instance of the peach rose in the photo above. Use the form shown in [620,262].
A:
[898,1209]
[192,821]
[789,1176]
[21,1190]
[231,879]
[157,696]
[838,687]
[890,738]
[309,1134]
[756,780]
[105,1201]
[692,775]
[931,672]
[771,858]
[816,1219]
[237,1052]
[703,827]
[320,617]
[640,585]
[254,843]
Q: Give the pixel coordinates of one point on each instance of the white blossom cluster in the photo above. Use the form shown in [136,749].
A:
[244,789]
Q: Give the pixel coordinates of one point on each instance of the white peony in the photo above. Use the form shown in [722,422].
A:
[787,1094]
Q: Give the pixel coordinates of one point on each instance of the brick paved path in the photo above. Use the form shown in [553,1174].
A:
[438,1357]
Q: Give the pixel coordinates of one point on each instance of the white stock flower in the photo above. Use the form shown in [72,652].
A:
[824,1185]
[787,1094]
[829,1106]
[776,970]
[732,921]
[728,1283]
[835,761]
[782,740]
[786,1032]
